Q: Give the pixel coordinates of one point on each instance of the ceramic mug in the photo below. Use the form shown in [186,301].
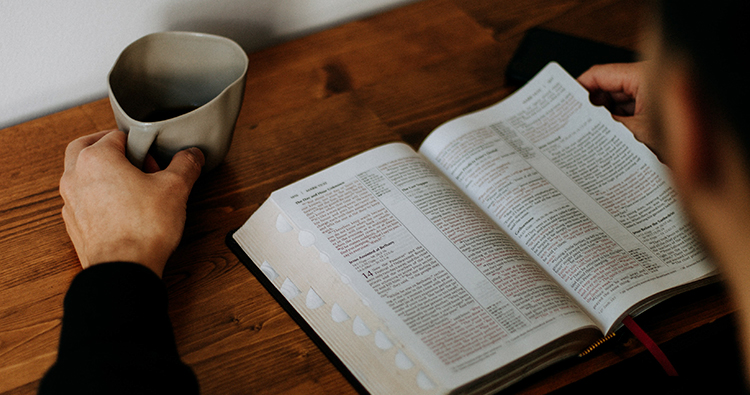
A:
[174,90]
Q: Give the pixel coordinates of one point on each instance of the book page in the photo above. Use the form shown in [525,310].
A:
[576,191]
[307,281]
[452,287]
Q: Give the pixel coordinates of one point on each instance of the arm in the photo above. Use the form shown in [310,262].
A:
[116,335]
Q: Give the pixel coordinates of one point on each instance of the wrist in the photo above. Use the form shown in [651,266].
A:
[152,258]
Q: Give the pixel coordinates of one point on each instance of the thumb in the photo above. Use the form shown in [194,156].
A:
[187,164]
[640,126]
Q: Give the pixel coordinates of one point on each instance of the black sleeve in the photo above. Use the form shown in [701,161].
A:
[116,337]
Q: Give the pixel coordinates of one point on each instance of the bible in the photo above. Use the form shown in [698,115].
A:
[515,237]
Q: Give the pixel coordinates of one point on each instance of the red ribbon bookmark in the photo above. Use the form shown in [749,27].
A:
[652,347]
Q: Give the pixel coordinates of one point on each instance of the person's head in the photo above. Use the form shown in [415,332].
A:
[710,38]
[697,84]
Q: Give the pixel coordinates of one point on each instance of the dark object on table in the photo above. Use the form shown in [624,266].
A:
[574,54]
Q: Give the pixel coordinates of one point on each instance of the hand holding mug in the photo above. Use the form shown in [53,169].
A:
[115,212]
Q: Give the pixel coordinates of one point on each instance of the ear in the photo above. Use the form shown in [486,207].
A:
[687,140]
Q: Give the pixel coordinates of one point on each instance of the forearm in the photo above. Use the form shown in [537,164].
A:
[116,336]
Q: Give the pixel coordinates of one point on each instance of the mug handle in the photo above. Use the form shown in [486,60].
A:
[139,142]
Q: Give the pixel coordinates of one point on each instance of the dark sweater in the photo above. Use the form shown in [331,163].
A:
[116,337]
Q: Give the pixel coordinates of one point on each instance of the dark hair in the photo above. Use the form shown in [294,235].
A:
[714,35]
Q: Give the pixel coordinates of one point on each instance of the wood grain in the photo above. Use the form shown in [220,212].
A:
[308,104]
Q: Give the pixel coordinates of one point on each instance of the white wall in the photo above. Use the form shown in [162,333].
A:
[56,54]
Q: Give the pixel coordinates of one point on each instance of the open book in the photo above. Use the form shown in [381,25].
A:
[517,236]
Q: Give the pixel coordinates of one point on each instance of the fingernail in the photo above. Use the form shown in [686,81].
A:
[198,154]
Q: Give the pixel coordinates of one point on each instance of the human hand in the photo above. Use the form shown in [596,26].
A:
[621,89]
[115,212]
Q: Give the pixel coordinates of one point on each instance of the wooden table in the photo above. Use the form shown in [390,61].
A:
[309,104]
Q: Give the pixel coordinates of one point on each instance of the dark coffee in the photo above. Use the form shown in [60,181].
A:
[166,113]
